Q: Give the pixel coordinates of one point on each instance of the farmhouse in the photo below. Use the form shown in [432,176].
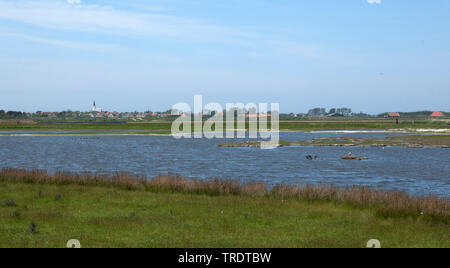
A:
[437,114]
[257,115]
[394,115]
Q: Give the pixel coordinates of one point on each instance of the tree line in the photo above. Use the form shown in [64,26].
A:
[11,114]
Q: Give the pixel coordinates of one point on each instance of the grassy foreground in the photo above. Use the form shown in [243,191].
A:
[115,215]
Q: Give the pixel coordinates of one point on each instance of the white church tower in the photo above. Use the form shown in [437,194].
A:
[95,109]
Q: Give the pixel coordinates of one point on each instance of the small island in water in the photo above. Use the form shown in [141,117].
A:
[416,141]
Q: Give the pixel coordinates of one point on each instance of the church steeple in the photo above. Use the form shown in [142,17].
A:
[95,109]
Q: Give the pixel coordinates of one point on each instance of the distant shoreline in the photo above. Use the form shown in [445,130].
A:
[81,134]
[36,133]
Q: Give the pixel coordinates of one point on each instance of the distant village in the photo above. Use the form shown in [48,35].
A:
[94,113]
[347,112]
[98,113]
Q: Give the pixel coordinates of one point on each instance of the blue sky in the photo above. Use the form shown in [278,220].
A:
[150,54]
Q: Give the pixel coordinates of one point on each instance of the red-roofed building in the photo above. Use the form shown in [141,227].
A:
[257,115]
[437,114]
[394,115]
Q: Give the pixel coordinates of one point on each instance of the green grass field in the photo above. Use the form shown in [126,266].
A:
[111,217]
[303,125]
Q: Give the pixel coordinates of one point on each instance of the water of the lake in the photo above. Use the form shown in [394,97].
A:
[416,171]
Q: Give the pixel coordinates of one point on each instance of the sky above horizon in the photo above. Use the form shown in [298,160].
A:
[372,56]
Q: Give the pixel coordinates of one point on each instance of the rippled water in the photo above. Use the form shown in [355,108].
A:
[417,171]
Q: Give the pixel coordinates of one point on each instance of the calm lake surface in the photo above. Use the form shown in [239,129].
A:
[416,171]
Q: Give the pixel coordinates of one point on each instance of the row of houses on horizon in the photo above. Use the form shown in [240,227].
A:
[97,112]
[398,115]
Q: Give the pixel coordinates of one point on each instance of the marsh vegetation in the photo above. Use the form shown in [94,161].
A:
[169,211]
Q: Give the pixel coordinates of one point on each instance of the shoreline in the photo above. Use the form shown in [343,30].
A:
[82,134]
[131,133]
[388,131]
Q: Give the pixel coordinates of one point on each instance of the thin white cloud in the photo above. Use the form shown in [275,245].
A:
[107,20]
[77,16]
[62,43]
[374,1]
[74,2]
